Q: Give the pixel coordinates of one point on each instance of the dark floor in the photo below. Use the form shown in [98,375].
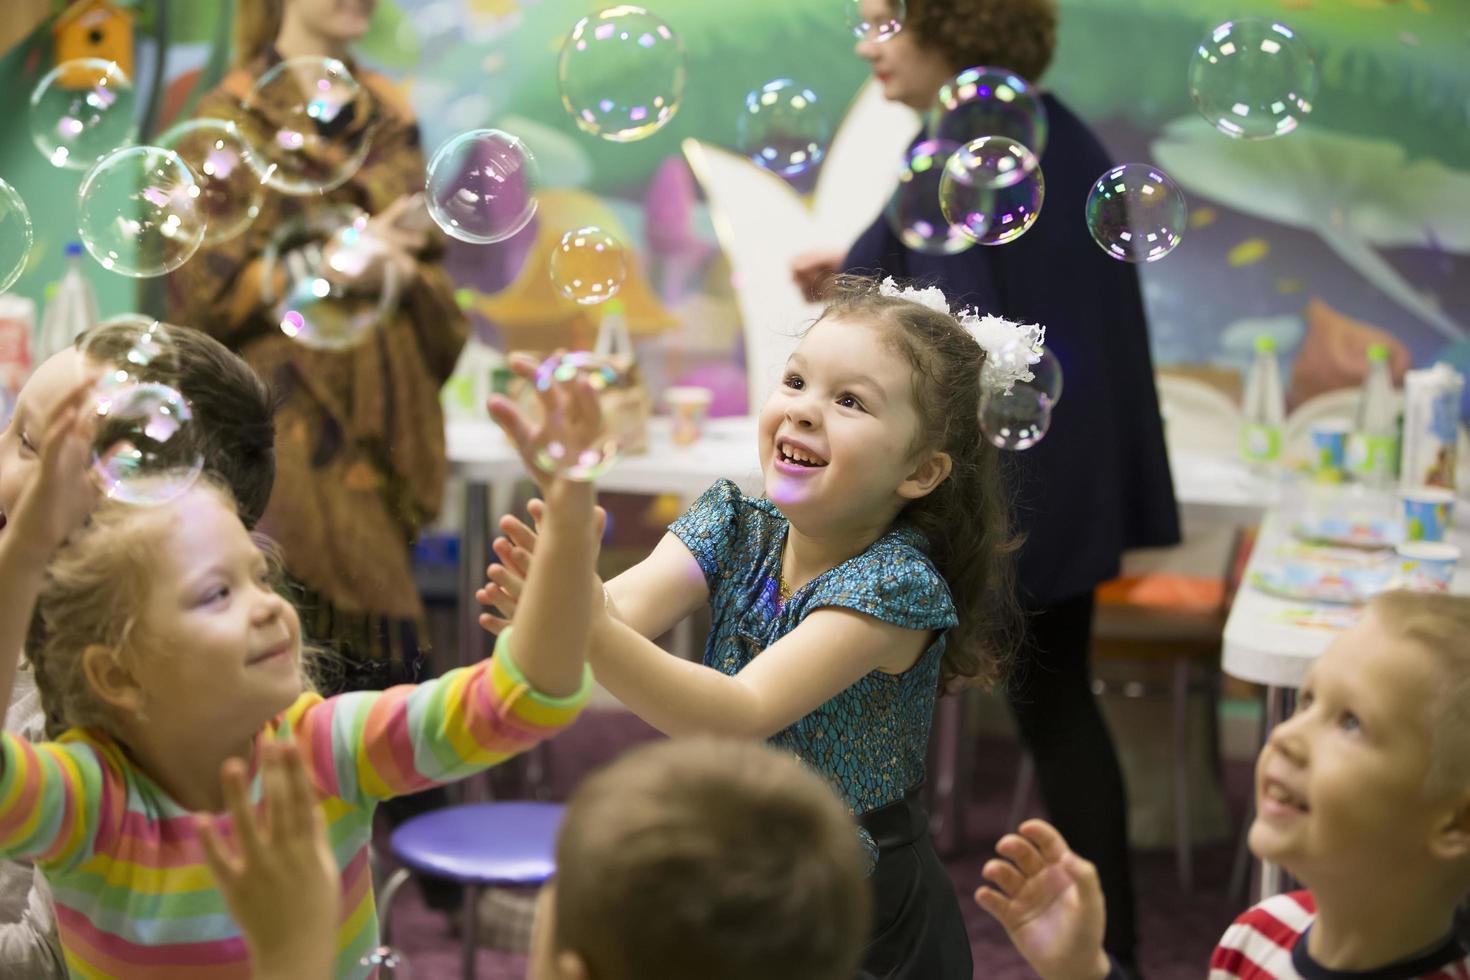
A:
[1178,931]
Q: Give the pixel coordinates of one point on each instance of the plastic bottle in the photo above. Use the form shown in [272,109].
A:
[1373,447]
[1265,406]
[72,310]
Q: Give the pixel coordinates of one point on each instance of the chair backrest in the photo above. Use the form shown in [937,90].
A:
[763,224]
[1197,415]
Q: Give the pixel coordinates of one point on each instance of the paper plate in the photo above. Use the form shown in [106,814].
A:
[1314,582]
[1370,533]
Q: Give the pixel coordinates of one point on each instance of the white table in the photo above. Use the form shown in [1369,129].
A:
[1264,645]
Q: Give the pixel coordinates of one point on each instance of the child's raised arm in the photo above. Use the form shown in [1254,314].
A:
[1050,903]
[57,499]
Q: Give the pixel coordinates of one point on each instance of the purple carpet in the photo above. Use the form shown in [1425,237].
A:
[1177,931]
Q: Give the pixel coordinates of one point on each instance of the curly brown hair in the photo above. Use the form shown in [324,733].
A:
[1016,34]
[966,519]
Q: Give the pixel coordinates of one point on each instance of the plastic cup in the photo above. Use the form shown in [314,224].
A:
[688,405]
[1427,566]
[1428,512]
[1329,445]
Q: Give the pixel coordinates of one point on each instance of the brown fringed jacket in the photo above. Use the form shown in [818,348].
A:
[359,433]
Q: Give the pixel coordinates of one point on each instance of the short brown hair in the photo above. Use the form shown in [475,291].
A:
[1439,624]
[1016,34]
[711,858]
[234,410]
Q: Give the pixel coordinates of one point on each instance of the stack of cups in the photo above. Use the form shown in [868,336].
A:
[1427,561]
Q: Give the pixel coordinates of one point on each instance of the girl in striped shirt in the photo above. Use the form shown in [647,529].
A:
[166,652]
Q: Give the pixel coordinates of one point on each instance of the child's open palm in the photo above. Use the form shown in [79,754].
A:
[571,418]
[280,880]
[60,494]
[507,577]
[1049,901]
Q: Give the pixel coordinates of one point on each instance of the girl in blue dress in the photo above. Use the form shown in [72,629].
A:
[874,572]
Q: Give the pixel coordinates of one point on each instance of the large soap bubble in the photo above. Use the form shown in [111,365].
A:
[1253,79]
[621,73]
[992,189]
[589,265]
[306,121]
[985,101]
[783,128]
[914,213]
[230,189]
[138,212]
[80,111]
[16,236]
[482,186]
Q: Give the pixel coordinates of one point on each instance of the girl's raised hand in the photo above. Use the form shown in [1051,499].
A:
[507,577]
[1050,903]
[279,880]
[60,494]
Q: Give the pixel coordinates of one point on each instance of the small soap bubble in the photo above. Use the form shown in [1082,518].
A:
[913,212]
[985,101]
[783,128]
[621,73]
[482,186]
[306,123]
[599,445]
[80,111]
[138,212]
[1047,377]
[230,188]
[16,236]
[1136,213]
[1016,420]
[389,962]
[1253,79]
[992,189]
[337,284]
[589,265]
[876,19]
[143,453]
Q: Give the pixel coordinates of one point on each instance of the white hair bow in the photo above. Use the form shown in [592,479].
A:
[1010,348]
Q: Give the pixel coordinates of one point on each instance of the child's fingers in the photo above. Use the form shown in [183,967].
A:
[277,796]
[1046,839]
[537,510]
[1004,876]
[222,864]
[300,797]
[493,624]
[519,534]
[524,366]
[998,905]
[237,791]
[507,581]
[1022,853]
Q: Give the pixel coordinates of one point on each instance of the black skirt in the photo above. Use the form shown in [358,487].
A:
[918,931]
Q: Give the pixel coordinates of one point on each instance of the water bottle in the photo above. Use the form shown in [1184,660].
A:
[1373,447]
[1265,407]
[71,311]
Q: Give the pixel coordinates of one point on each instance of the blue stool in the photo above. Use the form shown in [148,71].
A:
[475,845]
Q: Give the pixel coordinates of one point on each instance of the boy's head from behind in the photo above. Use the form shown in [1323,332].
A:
[704,858]
[1369,781]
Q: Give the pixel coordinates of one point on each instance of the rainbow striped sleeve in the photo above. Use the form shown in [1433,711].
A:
[52,798]
[372,745]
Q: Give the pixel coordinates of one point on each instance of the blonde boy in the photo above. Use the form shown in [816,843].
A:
[708,858]
[1363,795]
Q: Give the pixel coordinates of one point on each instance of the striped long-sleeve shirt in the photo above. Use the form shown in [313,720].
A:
[134,897]
[1268,942]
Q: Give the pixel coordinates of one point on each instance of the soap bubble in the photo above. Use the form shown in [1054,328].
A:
[783,128]
[876,19]
[482,186]
[1016,420]
[1046,377]
[913,212]
[1253,79]
[143,453]
[337,287]
[81,111]
[16,236]
[389,962]
[621,73]
[138,212]
[1136,213]
[992,189]
[599,448]
[230,189]
[589,265]
[307,124]
[989,102]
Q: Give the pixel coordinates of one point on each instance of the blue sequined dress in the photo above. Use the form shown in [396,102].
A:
[870,740]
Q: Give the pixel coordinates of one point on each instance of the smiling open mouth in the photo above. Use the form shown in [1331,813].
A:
[1280,794]
[797,456]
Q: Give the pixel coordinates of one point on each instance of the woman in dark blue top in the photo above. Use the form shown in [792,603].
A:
[1099,482]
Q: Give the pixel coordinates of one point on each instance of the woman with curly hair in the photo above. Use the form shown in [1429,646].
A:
[1106,434]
